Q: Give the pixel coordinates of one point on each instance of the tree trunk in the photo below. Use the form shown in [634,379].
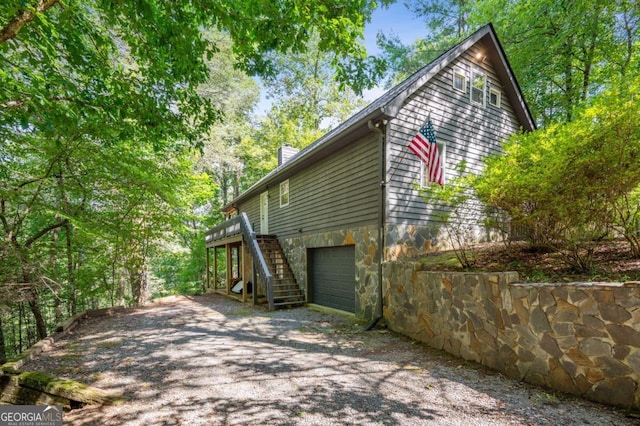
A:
[57,308]
[138,282]
[20,322]
[3,349]
[71,276]
[34,305]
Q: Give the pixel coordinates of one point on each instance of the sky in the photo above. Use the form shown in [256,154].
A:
[396,19]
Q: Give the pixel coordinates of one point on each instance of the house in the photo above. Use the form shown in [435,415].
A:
[320,227]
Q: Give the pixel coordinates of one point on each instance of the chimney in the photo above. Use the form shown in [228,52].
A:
[285,152]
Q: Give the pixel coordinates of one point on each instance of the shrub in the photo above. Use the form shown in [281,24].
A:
[569,185]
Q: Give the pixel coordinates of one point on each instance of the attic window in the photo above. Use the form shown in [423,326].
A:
[284,193]
[478,84]
[494,97]
[459,81]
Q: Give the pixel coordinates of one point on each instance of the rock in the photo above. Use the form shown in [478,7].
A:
[539,321]
[624,335]
[621,352]
[583,331]
[612,367]
[614,313]
[550,346]
[594,347]
[617,392]
[559,378]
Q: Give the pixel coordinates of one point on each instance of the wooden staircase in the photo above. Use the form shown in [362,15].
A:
[286,292]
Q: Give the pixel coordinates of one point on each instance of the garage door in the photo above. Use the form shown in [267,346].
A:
[332,277]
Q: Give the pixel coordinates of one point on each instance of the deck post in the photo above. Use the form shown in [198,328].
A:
[241,271]
[255,283]
[229,278]
[215,268]
[208,280]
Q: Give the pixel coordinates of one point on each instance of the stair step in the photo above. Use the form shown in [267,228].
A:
[301,302]
[287,299]
[285,284]
[287,294]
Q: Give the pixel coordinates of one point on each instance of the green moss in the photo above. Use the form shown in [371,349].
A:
[241,312]
[446,259]
[110,344]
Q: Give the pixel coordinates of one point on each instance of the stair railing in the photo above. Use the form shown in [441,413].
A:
[258,258]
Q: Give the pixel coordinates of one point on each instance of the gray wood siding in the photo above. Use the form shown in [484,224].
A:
[470,133]
[252,209]
[338,191]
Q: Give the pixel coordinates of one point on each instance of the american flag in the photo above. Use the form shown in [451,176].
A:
[425,147]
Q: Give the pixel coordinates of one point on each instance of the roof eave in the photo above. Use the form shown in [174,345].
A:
[299,159]
[521,108]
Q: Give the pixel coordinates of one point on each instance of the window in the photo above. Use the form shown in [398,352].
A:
[459,81]
[478,83]
[494,97]
[424,172]
[284,193]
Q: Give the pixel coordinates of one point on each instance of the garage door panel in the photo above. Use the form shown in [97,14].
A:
[332,275]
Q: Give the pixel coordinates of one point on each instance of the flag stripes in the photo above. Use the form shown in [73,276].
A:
[424,145]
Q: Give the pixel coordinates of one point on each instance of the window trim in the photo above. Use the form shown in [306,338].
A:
[463,77]
[442,151]
[498,93]
[475,73]
[285,183]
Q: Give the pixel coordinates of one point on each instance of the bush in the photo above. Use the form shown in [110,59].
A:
[459,214]
[569,185]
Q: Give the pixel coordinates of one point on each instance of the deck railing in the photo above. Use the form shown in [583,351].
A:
[240,225]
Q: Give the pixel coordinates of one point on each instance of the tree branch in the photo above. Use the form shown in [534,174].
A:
[44,231]
[15,104]
[24,17]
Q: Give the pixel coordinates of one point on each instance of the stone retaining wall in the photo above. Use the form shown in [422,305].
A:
[580,338]
[34,388]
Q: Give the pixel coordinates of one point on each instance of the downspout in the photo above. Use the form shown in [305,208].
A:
[381,210]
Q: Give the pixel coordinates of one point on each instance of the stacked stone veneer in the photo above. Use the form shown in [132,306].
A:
[410,241]
[367,256]
[580,338]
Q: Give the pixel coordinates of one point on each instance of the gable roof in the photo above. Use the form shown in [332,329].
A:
[389,104]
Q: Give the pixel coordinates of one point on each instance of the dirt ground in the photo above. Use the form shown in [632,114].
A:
[210,360]
[612,261]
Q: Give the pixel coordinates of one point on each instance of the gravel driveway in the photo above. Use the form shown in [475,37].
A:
[210,360]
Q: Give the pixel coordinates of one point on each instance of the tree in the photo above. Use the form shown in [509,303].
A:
[307,101]
[447,21]
[563,52]
[445,18]
[98,108]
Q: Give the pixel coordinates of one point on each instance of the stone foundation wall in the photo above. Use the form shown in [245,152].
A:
[365,240]
[580,338]
[410,241]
